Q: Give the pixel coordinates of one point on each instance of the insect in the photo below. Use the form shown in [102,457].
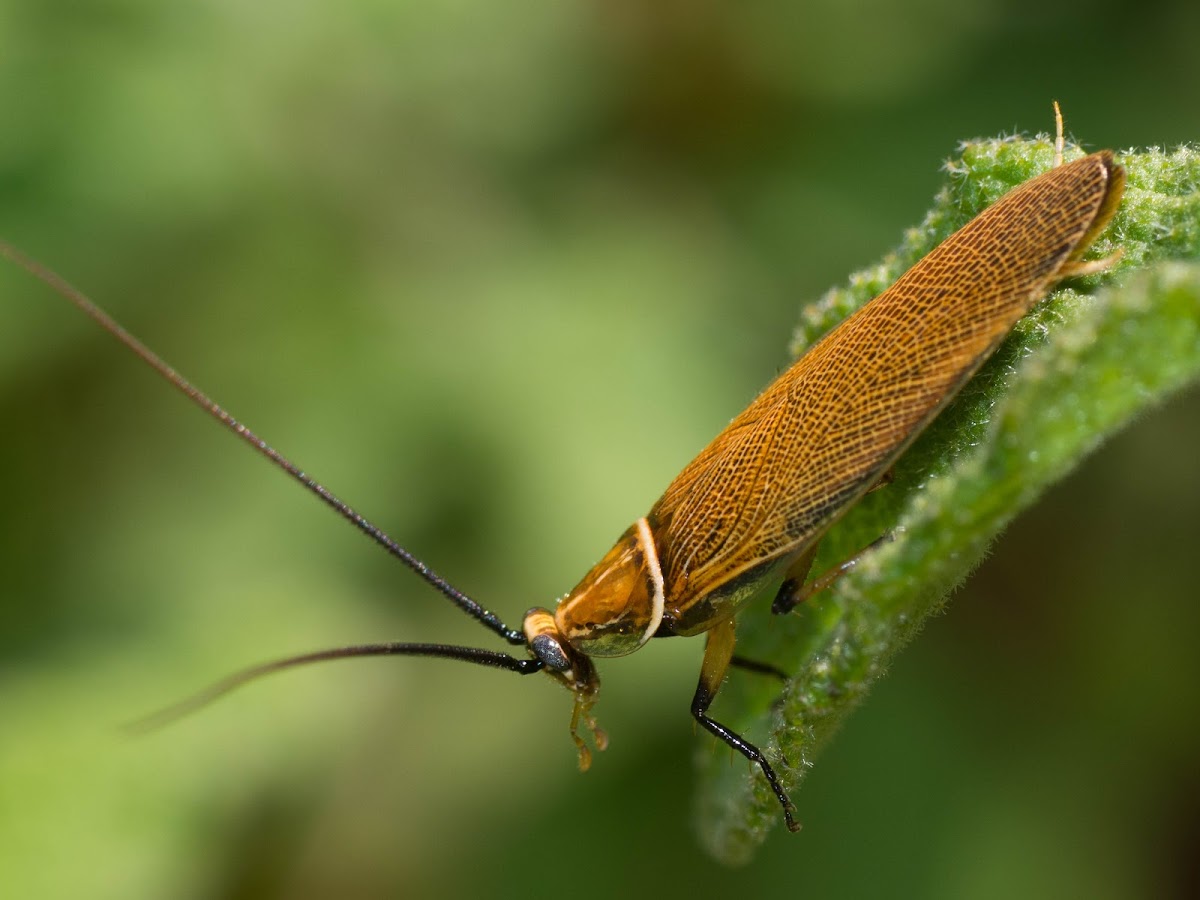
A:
[751,508]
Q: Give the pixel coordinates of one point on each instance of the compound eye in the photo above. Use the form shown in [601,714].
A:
[547,648]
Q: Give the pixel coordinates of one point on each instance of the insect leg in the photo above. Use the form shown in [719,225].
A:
[794,591]
[791,591]
[884,480]
[1079,268]
[718,653]
[753,665]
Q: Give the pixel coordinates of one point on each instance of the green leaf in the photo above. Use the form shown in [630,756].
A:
[1091,357]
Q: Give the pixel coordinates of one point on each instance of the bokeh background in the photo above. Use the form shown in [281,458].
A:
[494,272]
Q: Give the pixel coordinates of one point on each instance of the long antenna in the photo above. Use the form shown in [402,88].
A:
[476,655]
[159,365]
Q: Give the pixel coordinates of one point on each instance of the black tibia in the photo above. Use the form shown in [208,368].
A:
[718,653]
[753,665]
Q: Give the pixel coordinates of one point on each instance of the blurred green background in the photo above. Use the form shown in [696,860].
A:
[495,272]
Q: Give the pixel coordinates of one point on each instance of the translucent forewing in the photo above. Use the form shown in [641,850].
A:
[824,432]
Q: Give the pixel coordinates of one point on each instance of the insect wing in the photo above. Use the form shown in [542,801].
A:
[827,429]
